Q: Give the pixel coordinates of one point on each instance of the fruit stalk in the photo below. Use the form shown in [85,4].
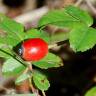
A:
[34,90]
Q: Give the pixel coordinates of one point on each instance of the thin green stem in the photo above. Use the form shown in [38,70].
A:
[31,86]
[26,70]
[43,93]
[30,80]
[34,90]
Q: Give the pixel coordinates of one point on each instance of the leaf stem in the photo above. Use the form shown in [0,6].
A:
[57,44]
[31,86]
[78,2]
[43,93]
[34,90]
[52,46]
[26,70]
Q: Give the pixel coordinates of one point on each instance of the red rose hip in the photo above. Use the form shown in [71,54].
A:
[34,49]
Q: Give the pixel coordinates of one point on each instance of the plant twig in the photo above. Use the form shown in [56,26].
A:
[31,86]
[52,46]
[43,93]
[34,90]
[26,70]
[30,68]
[78,2]
[60,43]
[93,9]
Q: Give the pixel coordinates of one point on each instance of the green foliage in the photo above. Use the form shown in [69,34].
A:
[35,33]
[32,33]
[50,39]
[13,31]
[40,80]
[57,17]
[82,38]
[80,15]
[67,17]
[80,35]
[5,52]
[22,77]
[91,92]
[49,61]
[58,37]
[12,67]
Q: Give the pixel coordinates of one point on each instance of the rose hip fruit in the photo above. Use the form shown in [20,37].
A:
[33,49]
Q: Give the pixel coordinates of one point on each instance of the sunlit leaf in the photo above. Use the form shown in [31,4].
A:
[67,17]
[40,81]
[79,14]
[14,32]
[49,61]
[82,38]
[91,92]
[22,77]
[35,33]
[12,67]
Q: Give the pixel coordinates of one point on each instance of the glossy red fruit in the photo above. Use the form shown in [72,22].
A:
[34,49]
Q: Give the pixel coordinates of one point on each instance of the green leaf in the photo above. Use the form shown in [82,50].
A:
[50,39]
[21,95]
[91,92]
[14,32]
[49,61]
[68,17]
[22,77]
[32,33]
[5,53]
[40,81]
[79,14]
[57,17]
[12,67]
[82,38]
[35,33]
[58,37]
[5,50]
[45,36]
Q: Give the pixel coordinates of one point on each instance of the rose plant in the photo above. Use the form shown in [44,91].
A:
[35,44]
